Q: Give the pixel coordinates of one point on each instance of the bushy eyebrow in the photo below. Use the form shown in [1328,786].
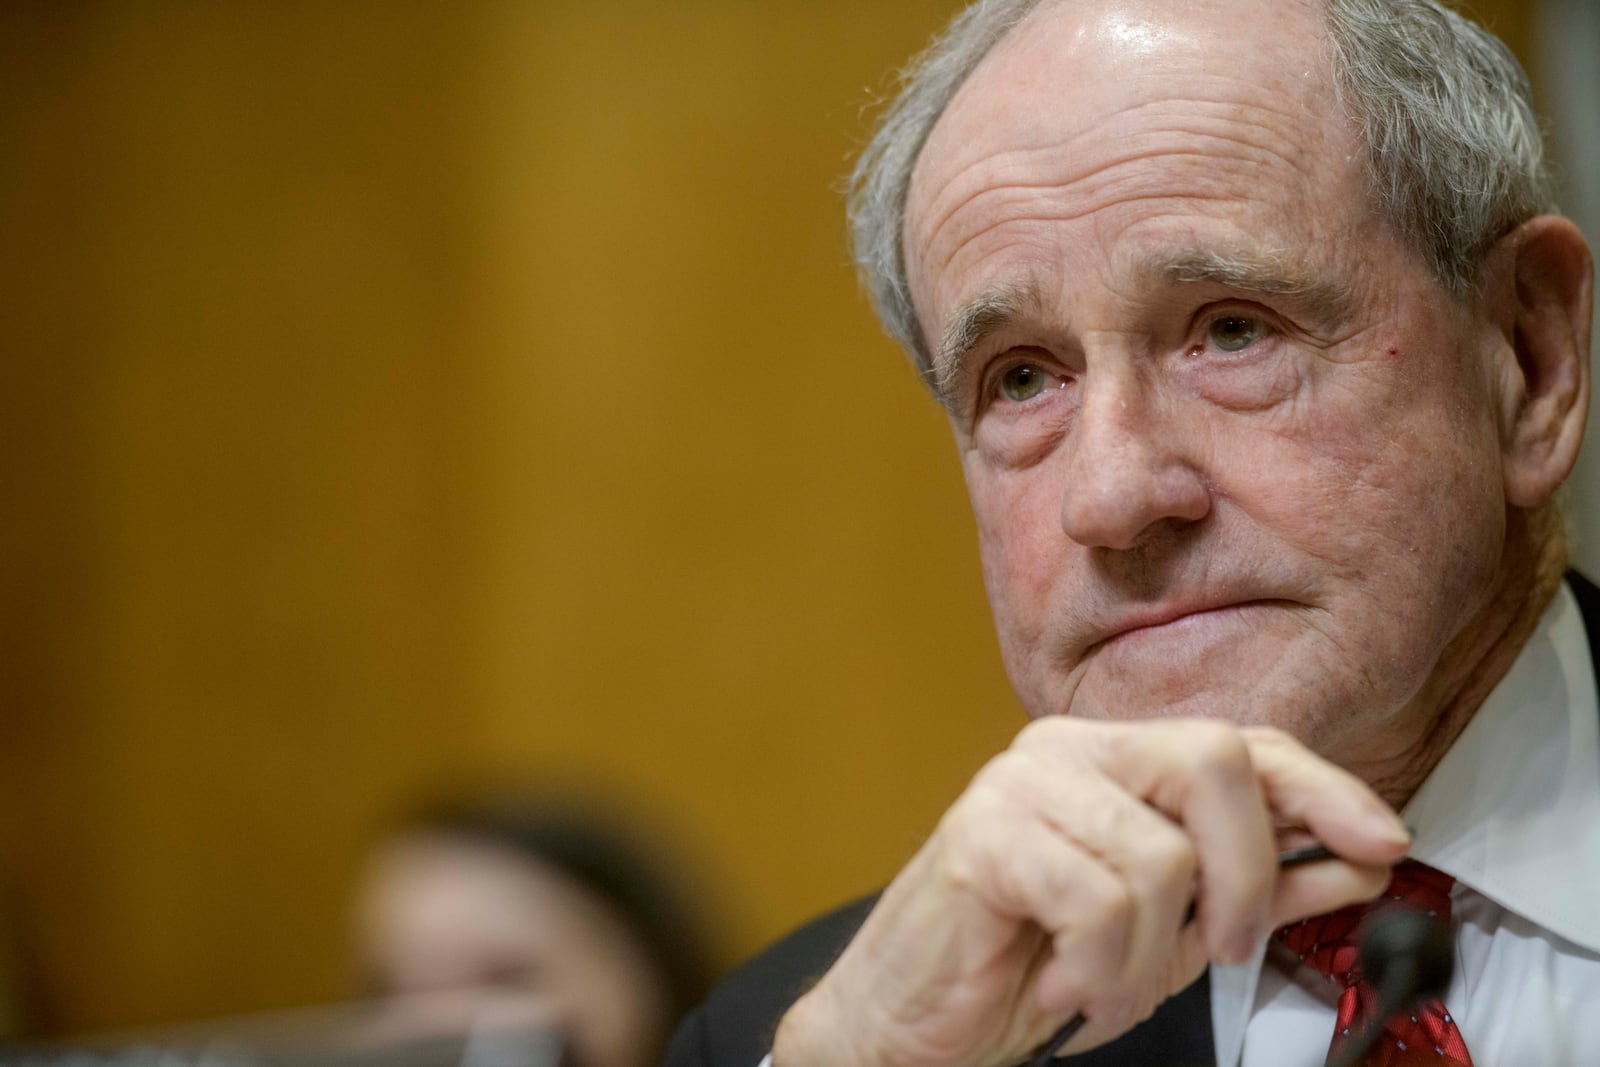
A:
[1323,299]
[1270,273]
[983,315]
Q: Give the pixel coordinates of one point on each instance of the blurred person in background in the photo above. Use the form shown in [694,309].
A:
[523,911]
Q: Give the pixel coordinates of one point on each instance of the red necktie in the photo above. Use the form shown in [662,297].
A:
[1327,943]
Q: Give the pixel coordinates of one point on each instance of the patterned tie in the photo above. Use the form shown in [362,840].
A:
[1327,943]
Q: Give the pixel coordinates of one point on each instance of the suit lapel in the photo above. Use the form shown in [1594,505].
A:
[1177,1035]
[1588,598]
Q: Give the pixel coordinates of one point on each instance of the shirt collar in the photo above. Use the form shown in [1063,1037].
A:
[1512,810]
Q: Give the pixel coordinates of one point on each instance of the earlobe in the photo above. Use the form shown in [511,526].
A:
[1552,275]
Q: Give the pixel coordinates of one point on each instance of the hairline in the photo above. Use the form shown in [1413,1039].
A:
[871,198]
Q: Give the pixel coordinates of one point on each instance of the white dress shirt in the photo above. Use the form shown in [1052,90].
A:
[1513,812]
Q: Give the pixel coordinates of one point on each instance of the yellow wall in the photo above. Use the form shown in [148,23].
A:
[393,393]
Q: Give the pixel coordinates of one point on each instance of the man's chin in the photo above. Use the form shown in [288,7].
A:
[1130,707]
[1243,696]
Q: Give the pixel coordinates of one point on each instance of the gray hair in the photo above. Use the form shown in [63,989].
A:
[1454,152]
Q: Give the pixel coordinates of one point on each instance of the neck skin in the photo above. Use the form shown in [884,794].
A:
[1530,571]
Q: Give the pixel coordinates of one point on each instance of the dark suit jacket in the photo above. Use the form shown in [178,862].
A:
[734,1027]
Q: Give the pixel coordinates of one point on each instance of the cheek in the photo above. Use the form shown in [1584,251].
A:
[1021,544]
[1395,495]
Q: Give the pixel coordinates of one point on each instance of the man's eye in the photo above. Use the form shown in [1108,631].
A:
[1022,382]
[1234,333]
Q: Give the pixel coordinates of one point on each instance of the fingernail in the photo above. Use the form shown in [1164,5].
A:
[1387,825]
[1242,950]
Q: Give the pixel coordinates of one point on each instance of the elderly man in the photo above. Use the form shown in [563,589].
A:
[1265,362]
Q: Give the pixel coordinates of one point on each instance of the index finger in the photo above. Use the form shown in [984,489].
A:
[1337,808]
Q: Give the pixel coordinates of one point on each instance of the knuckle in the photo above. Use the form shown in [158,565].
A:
[1003,770]
[1267,737]
[971,848]
[1165,876]
[1020,886]
[1173,860]
[1048,733]
[966,819]
[995,787]
[958,865]
[1111,902]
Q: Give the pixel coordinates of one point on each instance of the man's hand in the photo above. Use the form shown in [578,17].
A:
[1061,881]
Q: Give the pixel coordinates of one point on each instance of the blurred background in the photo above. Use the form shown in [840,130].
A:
[396,395]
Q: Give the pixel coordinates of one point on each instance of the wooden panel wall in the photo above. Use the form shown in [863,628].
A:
[395,393]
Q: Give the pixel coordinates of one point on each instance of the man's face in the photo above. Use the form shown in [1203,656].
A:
[1232,450]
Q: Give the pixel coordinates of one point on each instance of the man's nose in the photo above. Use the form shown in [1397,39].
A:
[1128,470]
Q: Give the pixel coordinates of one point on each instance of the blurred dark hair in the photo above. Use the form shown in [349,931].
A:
[637,880]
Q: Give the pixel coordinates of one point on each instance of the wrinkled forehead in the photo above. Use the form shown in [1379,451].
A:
[1081,85]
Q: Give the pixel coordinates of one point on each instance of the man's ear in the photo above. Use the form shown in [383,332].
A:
[1552,276]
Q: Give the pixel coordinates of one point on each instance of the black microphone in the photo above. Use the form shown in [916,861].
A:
[1407,956]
